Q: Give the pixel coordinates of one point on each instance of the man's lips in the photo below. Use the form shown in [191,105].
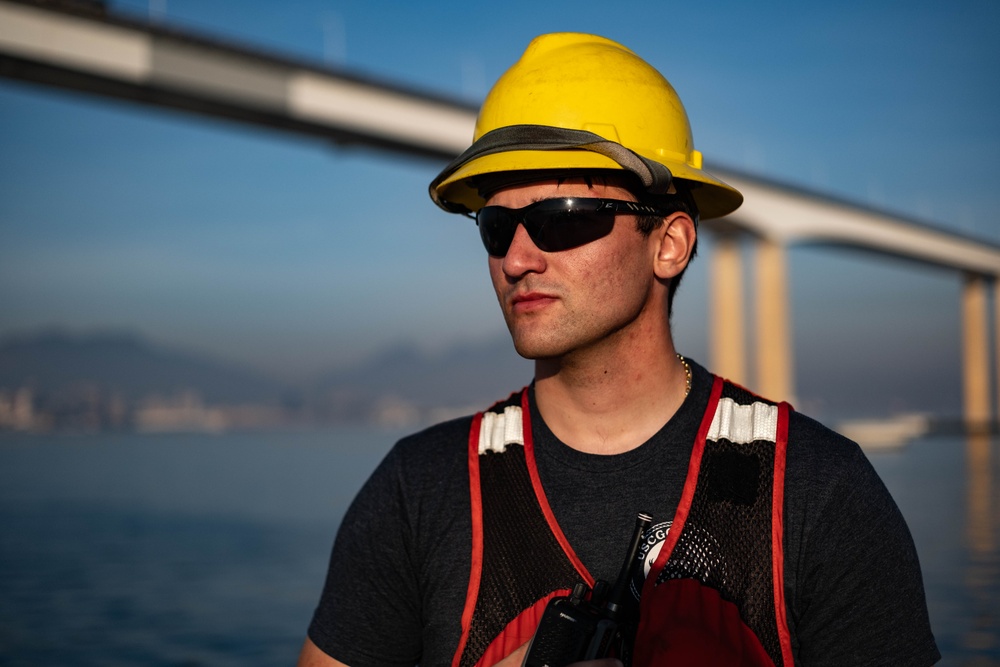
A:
[531,301]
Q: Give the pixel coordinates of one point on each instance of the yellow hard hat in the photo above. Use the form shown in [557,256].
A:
[577,101]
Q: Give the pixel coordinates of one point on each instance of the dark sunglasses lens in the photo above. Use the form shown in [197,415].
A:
[496,228]
[566,228]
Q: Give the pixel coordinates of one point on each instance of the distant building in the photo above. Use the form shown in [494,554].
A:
[17,410]
[184,412]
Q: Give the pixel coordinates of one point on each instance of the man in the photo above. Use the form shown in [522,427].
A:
[774,542]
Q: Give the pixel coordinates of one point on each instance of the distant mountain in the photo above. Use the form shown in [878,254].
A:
[469,374]
[125,364]
[129,365]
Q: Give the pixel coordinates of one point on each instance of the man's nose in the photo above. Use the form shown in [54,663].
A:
[523,256]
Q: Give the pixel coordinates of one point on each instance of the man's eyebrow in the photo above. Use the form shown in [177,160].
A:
[587,178]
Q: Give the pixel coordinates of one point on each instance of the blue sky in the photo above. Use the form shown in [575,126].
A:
[292,255]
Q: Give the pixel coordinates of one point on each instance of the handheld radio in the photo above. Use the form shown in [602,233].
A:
[575,627]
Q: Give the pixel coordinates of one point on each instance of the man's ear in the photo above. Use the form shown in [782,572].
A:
[674,242]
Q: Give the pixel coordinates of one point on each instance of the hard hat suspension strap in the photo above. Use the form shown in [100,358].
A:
[655,177]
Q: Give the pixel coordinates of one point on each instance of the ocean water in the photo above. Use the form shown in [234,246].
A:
[170,549]
[189,550]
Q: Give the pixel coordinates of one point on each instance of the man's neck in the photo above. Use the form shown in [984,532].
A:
[610,401]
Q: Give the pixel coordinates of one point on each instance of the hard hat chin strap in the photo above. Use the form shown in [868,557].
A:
[655,177]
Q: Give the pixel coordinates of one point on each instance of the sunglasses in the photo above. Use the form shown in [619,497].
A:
[555,224]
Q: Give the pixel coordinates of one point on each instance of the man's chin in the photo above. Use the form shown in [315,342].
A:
[537,350]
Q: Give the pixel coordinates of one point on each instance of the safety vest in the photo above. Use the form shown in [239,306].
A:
[713,591]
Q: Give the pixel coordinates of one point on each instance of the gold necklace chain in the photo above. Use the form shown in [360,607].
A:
[687,375]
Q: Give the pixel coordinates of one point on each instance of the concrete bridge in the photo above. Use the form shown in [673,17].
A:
[777,217]
[78,45]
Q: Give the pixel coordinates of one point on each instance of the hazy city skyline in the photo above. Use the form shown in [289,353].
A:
[290,255]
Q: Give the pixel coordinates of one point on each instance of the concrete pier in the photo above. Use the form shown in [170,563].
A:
[726,320]
[975,354]
[774,372]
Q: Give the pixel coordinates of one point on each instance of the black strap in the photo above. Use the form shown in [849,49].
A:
[655,177]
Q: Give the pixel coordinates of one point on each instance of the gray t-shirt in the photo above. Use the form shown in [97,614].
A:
[399,571]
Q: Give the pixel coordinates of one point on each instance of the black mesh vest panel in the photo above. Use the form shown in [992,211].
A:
[522,560]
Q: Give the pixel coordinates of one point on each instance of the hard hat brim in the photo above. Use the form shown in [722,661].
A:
[714,197]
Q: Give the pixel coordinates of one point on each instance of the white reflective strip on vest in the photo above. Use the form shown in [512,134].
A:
[741,424]
[496,431]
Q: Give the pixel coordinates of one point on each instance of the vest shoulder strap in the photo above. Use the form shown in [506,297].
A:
[520,559]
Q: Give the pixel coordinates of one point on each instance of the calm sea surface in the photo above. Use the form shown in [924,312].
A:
[211,549]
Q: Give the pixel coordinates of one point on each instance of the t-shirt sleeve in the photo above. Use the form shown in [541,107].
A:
[858,593]
[369,610]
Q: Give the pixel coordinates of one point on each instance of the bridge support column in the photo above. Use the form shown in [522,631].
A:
[975,354]
[774,375]
[727,337]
